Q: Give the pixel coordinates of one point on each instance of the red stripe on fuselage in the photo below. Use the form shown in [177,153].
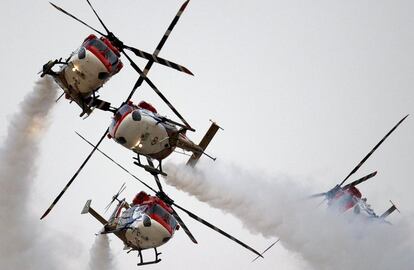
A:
[162,222]
[119,122]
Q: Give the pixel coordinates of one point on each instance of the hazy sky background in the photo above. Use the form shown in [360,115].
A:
[302,88]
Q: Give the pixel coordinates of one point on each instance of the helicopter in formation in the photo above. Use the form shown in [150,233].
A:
[141,128]
[150,221]
[96,61]
[343,198]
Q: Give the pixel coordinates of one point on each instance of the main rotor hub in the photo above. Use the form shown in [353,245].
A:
[164,197]
[115,41]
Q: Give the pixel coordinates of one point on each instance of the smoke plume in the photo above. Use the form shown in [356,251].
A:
[276,207]
[101,257]
[22,245]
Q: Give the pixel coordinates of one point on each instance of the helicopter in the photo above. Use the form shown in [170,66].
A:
[158,123]
[343,198]
[96,61]
[150,221]
[141,129]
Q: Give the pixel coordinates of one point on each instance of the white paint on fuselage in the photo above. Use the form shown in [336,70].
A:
[145,136]
[143,237]
[82,74]
[139,235]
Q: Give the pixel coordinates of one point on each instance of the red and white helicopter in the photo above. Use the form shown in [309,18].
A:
[89,67]
[150,221]
[141,129]
[344,198]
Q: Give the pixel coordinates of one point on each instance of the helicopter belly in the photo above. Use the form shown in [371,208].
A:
[149,235]
[142,134]
[83,75]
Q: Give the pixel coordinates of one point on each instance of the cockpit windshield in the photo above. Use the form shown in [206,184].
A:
[97,44]
[118,116]
[105,50]
[162,213]
[112,58]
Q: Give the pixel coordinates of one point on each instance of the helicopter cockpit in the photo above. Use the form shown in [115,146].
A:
[106,53]
[120,114]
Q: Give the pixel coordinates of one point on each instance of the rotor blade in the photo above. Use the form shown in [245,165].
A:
[274,243]
[158,60]
[156,91]
[211,226]
[119,165]
[373,150]
[317,195]
[144,54]
[360,180]
[96,14]
[82,22]
[159,47]
[123,187]
[157,180]
[184,227]
[74,176]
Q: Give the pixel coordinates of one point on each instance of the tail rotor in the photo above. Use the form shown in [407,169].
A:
[115,197]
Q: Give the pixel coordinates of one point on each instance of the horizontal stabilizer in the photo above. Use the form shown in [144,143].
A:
[119,233]
[204,143]
[88,209]
[389,211]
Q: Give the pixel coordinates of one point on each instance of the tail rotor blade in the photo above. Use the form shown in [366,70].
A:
[360,180]
[115,197]
[211,226]
[372,151]
[73,177]
[317,195]
[73,17]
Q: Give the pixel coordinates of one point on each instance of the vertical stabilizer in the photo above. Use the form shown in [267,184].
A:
[389,211]
[204,143]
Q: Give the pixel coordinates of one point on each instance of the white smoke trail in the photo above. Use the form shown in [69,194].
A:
[22,245]
[275,206]
[101,257]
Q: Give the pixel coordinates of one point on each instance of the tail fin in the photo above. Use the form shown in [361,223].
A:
[204,143]
[389,211]
[118,232]
[88,209]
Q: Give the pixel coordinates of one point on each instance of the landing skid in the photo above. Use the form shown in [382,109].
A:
[150,169]
[157,260]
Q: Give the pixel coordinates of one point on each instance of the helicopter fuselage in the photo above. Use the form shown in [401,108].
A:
[144,131]
[147,223]
[345,199]
[87,69]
